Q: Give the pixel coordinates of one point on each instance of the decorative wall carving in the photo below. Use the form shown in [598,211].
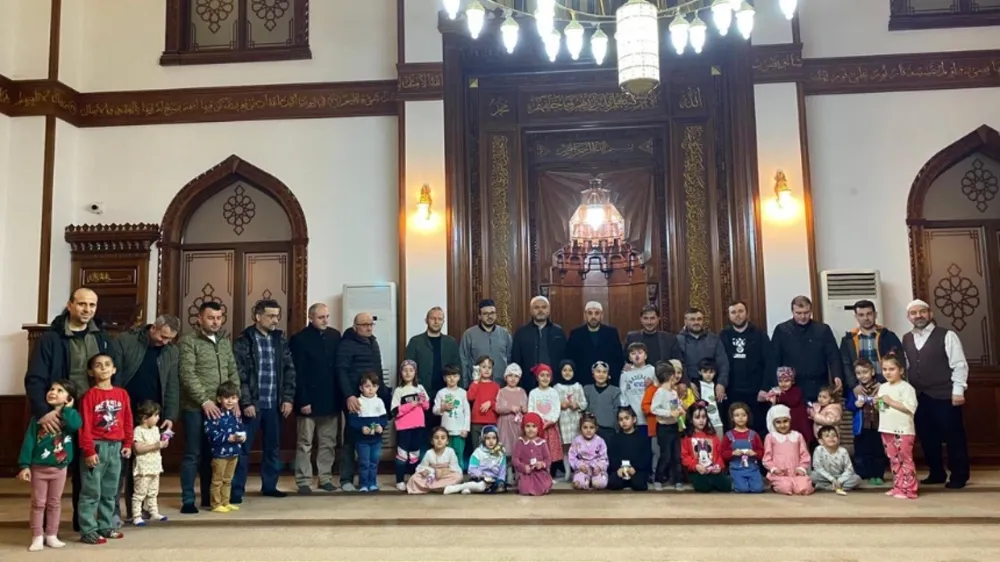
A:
[696,218]
[956,297]
[980,185]
[239,210]
[500,228]
[777,63]
[590,102]
[898,73]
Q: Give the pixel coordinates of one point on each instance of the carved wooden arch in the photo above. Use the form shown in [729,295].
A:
[199,190]
[985,140]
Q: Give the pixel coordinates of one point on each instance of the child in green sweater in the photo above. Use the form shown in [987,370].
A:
[44,458]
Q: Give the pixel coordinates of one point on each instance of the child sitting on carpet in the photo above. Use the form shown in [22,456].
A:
[832,469]
[701,452]
[439,467]
[743,449]
[628,455]
[487,466]
[786,456]
[588,457]
[531,459]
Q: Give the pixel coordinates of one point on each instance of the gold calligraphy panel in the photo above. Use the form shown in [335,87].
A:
[696,217]
[500,227]
[107,277]
[575,105]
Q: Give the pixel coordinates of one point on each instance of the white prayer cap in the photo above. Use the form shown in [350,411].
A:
[512,369]
[777,412]
[538,298]
[917,304]
[594,305]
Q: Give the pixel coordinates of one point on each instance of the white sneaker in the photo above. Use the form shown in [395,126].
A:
[658,486]
[467,491]
[452,489]
[401,486]
[53,541]
[348,487]
[36,544]
[679,487]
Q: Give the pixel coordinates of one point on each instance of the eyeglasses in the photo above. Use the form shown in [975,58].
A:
[368,325]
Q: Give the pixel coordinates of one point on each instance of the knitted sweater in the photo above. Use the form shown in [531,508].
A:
[41,448]
[603,402]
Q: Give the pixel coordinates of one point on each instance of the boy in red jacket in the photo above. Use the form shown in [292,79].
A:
[105,438]
[482,396]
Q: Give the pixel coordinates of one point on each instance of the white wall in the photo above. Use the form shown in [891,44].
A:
[65,204]
[770,24]
[343,172]
[21,227]
[28,22]
[784,235]
[865,152]
[861,27]
[121,42]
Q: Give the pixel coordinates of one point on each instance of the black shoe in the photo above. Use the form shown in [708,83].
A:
[328,487]
[304,490]
[932,480]
[954,485]
[189,508]
[236,500]
[273,493]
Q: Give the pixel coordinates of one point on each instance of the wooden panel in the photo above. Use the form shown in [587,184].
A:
[208,276]
[266,277]
[14,417]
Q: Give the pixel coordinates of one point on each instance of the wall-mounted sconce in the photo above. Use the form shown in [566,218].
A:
[783,193]
[424,203]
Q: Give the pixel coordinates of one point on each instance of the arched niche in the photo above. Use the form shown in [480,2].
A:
[242,192]
[953,214]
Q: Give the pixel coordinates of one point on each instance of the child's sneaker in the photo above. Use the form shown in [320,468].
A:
[93,538]
[230,507]
[220,509]
[401,486]
[658,486]
[112,534]
[679,486]
[876,481]
[53,541]
[364,489]
[157,517]
[37,544]
[139,522]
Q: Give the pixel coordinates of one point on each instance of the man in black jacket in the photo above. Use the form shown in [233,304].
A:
[538,341]
[267,393]
[660,345]
[810,348]
[358,354]
[317,398]
[594,342]
[751,370]
[868,340]
[62,352]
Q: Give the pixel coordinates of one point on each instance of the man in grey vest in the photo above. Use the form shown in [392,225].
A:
[938,371]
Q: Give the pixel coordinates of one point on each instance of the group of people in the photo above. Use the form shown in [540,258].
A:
[665,408]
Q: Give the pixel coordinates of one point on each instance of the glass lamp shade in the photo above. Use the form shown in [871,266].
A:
[475,14]
[637,40]
[451,8]
[595,216]
[788,7]
[552,44]
[545,17]
[509,32]
[722,15]
[698,34]
[574,39]
[744,19]
[679,33]
[599,45]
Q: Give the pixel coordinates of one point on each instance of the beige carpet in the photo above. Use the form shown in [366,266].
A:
[704,543]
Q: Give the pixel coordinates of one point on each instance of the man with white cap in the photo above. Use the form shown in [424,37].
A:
[593,342]
[540,341]
[938,371]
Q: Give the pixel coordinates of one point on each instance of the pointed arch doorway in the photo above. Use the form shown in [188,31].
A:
[235,234]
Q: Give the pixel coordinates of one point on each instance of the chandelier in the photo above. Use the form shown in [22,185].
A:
[597,237]
[637,29]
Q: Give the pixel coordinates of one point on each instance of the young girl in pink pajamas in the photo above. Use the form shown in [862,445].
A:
[897,403]
[588,457]
[786,456]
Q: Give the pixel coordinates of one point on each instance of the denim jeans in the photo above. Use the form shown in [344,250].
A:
[369,453]
[268,424]
[197,459]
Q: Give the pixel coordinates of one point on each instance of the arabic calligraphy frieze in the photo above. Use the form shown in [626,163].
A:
[933,73]
[592,102]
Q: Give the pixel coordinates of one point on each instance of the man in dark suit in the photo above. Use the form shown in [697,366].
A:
[538,341]
[660,345]
[593,342]
[810,348]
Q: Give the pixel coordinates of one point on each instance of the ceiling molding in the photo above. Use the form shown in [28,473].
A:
[781,63]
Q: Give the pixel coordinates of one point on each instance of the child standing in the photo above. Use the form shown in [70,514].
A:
[512,403]
[897,403]
[827,410]
[706,389]
[43,460]
[603,400]
[869,454]
[487,466]
[409,405]
[628,455]
[787,394]
[832,469]
[368,424]
[148,463]
[742,448]
[786,456]
[633,382]
[105,439]
[588,457]
[572,403]
[701,452]
[483,398]
[438,469]
[544,401]
[452,404]
[684,390]
[225,434]
[666,409]
[531,459]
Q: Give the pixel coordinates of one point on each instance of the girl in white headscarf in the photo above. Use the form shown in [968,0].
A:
[786,455]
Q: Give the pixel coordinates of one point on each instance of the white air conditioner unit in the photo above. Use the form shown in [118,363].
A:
[379,300]
[841,288]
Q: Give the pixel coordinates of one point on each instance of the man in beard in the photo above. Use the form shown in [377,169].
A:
[869,340]
[539,341]
[751,370]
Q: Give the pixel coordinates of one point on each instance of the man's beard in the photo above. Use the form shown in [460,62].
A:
[740,326]
[696,330]
[541,318]
[434,331]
